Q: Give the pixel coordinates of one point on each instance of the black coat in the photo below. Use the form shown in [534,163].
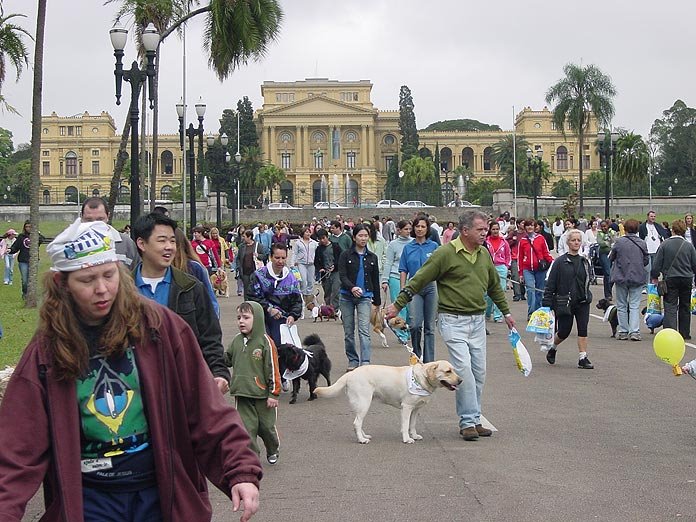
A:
[561,281]
[348,266]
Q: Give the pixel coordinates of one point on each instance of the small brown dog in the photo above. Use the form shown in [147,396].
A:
[377,322]
[219,282]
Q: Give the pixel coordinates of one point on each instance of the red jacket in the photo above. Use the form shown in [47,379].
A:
[207,253]
[195,433]
[528,257]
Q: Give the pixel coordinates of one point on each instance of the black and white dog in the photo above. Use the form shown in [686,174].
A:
[307,362]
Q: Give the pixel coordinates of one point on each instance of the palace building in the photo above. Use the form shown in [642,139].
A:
[325,134]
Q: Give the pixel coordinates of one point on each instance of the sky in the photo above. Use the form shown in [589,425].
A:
[461,59]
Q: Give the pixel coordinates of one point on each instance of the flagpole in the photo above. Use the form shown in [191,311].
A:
[514,163]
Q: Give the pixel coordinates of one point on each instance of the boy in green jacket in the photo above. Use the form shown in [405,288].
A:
[255,383]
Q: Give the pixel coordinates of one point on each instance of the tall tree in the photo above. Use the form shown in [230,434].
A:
[582,92]
[236,32]
[269,176]
[248,136]
[37,97]
[407,125]
[252,161]
[674,136]
[12,50]
[632,159]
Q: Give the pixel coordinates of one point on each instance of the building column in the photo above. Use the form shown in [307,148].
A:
[267,143]
[363,147]
[306,148]
[299,159]
[273,158]
[371,145]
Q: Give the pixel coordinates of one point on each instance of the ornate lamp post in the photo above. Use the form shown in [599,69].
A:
[237,160]
[191,132]
[607,151]
[224,140]
[136,77]
[534,167]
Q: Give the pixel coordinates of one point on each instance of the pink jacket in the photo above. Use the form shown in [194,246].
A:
[502,255]
[195,433]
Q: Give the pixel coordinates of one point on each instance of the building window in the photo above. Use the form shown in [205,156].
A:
[166,192]
[285,160]
[318,137]
[167,159]
[95,193]
[319,161]
[389,139]
[95,152]
[488,163]
[285,97]
[285,137]
[45,152]
[71,130]
[95,167]
[62,130]
[71,165]
[78,131]
[553,125]
[349,96]
[71,195]
[46,165]
[350,160]
[586,162]
[351,136]
[45,130]
[561,158]
[388,160]
[46,197]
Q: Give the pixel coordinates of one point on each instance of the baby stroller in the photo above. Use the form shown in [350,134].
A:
[594,263]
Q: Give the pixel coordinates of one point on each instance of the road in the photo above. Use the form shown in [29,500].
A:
[615,443]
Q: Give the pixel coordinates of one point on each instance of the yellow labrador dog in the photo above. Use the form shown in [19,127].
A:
[405,387]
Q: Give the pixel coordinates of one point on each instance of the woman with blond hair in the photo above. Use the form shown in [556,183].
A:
[221,247]
[110,407]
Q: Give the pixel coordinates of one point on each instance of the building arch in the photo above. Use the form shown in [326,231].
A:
[561,158]
[95,192]
[166,192]
[318,137]
[46,197]
[488,163]
[351,136]
[352,193]
[167,159]
[318,192]
[446,159]
[71,165]
[425,152]
[71,194]
[286,138]
[468,158]
[287,192]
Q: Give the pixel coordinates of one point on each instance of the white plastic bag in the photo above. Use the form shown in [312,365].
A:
[522,358]
[289,335]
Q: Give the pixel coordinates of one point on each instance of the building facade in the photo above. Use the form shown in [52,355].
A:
[327,136]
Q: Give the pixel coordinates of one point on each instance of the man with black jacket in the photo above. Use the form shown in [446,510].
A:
[156,279]
[326,265]
[653,234]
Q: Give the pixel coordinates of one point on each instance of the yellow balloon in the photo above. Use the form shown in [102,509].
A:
[669,346]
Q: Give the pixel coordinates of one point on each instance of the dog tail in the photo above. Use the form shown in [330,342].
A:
[333,390]
[311,340]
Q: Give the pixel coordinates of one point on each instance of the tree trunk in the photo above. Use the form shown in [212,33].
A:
[581,190]
[34,212]
[118,169]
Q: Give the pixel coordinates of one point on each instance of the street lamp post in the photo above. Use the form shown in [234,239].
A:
[224,140]
[318,163]
[136,77]
[535,168]
[237,160]
[191,132]
[607,152]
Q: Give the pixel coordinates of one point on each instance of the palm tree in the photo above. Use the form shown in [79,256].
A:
[37,96]
[236,32]
[270,176]
[12,50]
[632,159]
[503,157]
[582,92]
[249,167]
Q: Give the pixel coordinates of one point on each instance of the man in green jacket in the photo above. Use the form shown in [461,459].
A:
[464,273]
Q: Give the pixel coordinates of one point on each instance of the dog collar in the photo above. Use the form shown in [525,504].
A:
[414,387]
[608,313]
[288,375]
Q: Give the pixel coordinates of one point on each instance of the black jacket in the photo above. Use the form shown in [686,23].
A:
[348,266]
[643,231]
[319,256]
[561,281]
[190,301]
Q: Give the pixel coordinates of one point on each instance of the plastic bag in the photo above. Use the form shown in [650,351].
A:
[522,358]
[693,301]
[289,335]
[541,321]
[654,301]
[296,272]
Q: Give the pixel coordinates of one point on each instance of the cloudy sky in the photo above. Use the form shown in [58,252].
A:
[461,59]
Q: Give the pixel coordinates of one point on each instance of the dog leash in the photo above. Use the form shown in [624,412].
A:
[412,357]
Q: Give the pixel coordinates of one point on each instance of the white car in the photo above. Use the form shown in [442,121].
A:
[281,206]
[388,203]
[326,205]
[415,204]
[463,203]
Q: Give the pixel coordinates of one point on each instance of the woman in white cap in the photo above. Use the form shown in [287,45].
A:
[112,405]
[6,243]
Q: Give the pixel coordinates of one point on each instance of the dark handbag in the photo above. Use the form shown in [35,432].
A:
[562,306]
[662,288]
[543,265]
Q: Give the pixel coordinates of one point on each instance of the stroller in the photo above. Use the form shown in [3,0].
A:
[593,256]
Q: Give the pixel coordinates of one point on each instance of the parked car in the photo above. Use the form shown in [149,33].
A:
[327,205]
[463,203]
[415,204]
[388,203]
[281,206]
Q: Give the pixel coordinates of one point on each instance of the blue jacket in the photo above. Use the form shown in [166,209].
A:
[414,255]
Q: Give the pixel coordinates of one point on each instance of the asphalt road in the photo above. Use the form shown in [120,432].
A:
[616,443]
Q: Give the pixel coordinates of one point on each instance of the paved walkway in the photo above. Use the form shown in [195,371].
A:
[615,443]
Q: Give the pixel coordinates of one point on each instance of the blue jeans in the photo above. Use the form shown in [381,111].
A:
[628,308]
[9,268]
[423,312]
[394,289]
[349,305]
[465,337]
[490,305]
[535,283]
[24,271]
[606,278]
[130,506]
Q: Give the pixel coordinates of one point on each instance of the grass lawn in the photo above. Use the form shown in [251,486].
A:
[18,322]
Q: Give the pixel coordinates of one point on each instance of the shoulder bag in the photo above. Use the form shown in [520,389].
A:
[662,284]
[543,263]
